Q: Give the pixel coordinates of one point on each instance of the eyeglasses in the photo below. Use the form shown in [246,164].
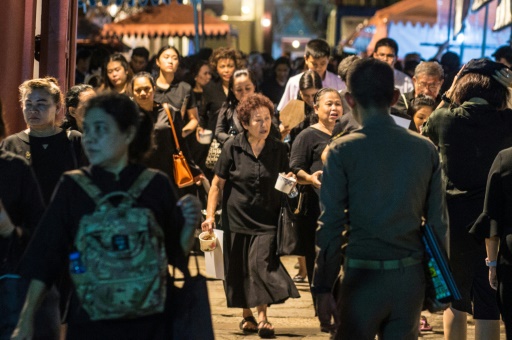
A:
[431,87]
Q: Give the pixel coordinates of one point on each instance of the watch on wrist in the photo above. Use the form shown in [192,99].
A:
[445,98]
[490,263]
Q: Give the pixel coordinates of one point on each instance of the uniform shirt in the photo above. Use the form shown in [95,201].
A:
[292,87]
[250,203]
[378,183]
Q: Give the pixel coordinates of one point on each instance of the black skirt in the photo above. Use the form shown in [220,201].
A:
[255,274]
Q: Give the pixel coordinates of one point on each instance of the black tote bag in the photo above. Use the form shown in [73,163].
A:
[191,315]
[288,237]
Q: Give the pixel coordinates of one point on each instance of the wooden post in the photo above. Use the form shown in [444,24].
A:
[17,24]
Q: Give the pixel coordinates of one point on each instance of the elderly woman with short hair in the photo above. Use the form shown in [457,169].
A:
[245,175]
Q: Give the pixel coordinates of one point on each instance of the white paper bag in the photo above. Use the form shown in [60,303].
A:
[214,260]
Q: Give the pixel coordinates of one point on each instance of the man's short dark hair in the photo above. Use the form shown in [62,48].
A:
[344,66]
[141,52]
[504,52]
[387,42]
[317,48]
[371,82]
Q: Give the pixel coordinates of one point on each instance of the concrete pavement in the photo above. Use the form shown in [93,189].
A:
[295,319]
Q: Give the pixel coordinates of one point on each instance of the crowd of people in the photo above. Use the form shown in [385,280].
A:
[366,185]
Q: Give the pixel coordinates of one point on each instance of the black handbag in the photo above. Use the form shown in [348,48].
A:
[190,313]
[288,237]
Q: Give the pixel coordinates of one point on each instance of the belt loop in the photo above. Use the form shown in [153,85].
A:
[381,266]
[402,268]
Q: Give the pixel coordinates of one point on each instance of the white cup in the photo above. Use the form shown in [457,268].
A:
[205,137]
[284,184]
[207,241]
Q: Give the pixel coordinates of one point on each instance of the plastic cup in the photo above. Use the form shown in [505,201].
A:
[205,137]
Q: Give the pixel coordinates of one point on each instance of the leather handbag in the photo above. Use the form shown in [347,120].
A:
[288,239]
[182,175]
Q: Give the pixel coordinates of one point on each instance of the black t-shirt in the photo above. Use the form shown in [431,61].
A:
[23,203]
[49,156]
[213,98]
[250,203]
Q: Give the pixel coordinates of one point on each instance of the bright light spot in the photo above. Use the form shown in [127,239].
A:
[112,10]
[295,44]
[460,38]
[265,22]
[224,17]
[246,9]
[185,2]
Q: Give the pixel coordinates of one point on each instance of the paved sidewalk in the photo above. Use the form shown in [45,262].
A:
[295,319]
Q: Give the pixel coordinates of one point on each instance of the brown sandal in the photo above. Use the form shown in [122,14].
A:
[249,320]
[263,332]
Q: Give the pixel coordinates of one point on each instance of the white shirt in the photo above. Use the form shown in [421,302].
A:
[403,82]
[292,87]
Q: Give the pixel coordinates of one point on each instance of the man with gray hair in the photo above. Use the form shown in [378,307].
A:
[427,80]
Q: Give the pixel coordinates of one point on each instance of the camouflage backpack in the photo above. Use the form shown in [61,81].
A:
[121,253]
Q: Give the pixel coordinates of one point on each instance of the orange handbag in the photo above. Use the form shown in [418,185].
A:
[182,174]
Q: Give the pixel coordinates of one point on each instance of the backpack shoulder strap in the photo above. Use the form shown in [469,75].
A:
[141,183]
[86,184]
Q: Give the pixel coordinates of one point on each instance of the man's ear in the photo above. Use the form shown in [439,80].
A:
[396,95]
[72,111]
[350,99]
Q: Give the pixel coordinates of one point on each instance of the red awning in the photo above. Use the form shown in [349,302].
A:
[165,20]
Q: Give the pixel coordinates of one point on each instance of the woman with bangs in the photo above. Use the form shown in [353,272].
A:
[116,75]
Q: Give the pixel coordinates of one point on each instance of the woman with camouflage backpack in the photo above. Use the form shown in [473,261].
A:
[115,138]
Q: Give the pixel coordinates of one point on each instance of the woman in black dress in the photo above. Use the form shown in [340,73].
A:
[49,149]
[245,176]
[469,132]
[115,139]
[495,225]
[306,163]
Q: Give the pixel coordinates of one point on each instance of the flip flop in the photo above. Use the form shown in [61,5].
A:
[424,325]
[249,320]
[299,279]
[263,332]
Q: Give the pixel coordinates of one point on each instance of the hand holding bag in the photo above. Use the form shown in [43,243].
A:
[182,174]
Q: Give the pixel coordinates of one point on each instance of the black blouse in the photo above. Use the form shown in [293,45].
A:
[496,218]
[47,255]
[213,98]
[469,137]
[49,156]
[250,203]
